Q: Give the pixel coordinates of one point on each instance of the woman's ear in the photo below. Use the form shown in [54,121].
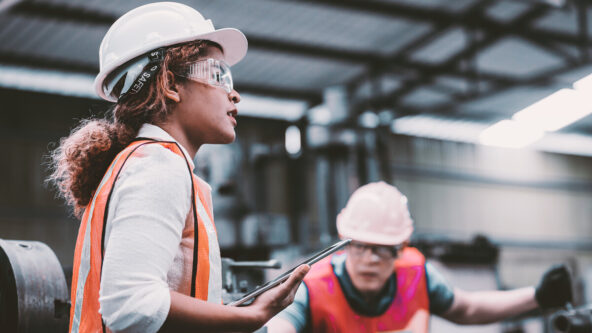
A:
[171,90]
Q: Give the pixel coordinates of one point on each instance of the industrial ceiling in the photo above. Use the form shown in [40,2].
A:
[480,60]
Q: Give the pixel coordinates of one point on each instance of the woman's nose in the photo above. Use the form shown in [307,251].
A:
[234,96]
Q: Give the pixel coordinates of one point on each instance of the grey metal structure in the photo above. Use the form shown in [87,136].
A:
[33,291]
[472,59]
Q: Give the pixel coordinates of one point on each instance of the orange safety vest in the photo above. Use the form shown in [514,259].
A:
[409,311]
[89,252]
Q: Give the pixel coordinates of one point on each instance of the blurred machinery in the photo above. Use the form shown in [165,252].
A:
[574,321]
[33,290]
[234,281]
[34,295]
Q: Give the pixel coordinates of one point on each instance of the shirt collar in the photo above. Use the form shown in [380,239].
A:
[157,133]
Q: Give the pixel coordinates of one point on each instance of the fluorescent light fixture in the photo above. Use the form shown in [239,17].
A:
[584,84]
[47,81]
[293,140]
[438,128]
[446,129]
[510,134]
[266,107]
[555,111]
[566,143]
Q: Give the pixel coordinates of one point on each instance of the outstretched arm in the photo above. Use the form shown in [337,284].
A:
[483,307]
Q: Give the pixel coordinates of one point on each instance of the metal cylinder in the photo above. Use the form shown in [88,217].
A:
[33,290]
[579,321]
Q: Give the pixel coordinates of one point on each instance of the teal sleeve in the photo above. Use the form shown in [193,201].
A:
[440,292]
[297,312]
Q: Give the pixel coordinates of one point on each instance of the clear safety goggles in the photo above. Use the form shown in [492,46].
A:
[382,251]
[211,71]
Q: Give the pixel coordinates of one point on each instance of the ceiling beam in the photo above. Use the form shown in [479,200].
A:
[441,17]
[454,64]
[493,30]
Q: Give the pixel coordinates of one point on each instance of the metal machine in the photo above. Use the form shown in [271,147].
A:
[574,321]
[34,295]
[33,290]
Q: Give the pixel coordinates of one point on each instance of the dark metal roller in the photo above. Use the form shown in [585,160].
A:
[574,321]
[33,291]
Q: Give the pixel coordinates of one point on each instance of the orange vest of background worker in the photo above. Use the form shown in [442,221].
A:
[359,291]
[88,255]
[409,311]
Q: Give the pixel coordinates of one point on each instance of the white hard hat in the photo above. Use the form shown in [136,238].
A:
[157,25]
[376,213]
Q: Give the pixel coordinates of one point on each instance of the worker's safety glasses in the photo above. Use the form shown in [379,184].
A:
[382,251]
[211,71]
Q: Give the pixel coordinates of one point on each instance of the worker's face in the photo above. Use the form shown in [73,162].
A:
[208,112]
[369,266]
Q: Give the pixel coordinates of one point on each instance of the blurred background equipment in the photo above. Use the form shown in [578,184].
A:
[574,321]
[33,292]
[234,282]
[477,110]
[34,297]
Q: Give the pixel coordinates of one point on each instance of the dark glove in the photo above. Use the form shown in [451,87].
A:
[554,289]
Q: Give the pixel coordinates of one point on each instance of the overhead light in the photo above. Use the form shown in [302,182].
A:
[438,128]
[293,140]
[319,115]
[510,134]
[584,84]
[555,111]
[267,107]
[368,119]
[47,81]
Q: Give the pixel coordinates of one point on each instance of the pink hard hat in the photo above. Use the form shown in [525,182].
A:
[376,213]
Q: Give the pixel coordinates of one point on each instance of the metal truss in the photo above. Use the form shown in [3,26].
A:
[481,30]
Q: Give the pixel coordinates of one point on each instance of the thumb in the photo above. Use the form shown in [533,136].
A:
[297,276]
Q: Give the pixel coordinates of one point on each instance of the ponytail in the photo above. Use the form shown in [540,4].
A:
[82,159]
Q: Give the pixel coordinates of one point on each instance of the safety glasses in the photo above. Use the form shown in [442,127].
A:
[211,71]
[384,252]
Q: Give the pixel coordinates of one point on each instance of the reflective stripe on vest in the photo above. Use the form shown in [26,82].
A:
[409,311]
[88,255]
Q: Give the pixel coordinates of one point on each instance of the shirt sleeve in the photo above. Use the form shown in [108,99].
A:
[297,312]
[440,292]
[147,212]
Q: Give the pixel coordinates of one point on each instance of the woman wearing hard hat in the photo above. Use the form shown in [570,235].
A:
[147,256]
[379,284]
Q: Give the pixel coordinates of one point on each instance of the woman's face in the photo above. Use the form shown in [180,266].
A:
[205,113]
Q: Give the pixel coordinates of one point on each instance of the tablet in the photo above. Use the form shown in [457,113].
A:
[273,283]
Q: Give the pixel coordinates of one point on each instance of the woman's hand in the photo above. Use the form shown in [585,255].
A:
[188,314]
[275,300]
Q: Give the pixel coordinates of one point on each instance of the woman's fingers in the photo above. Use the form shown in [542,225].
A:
[297,276]
[291,285]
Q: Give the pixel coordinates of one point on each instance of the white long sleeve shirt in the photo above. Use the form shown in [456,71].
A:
[144,253]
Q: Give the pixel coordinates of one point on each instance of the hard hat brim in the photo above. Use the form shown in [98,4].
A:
[233,42]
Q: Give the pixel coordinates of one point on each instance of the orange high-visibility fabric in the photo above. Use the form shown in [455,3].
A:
[88,256]
[409,311]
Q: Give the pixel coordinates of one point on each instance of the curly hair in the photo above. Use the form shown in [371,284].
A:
[80,161]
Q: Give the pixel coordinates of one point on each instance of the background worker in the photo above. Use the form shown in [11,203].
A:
[147,257]
[359,291]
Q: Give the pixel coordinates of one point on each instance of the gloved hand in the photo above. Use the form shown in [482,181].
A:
[554,289]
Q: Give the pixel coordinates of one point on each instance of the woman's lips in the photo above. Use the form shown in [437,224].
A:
[232,116]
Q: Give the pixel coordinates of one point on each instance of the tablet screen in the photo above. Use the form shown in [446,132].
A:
[310,261]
